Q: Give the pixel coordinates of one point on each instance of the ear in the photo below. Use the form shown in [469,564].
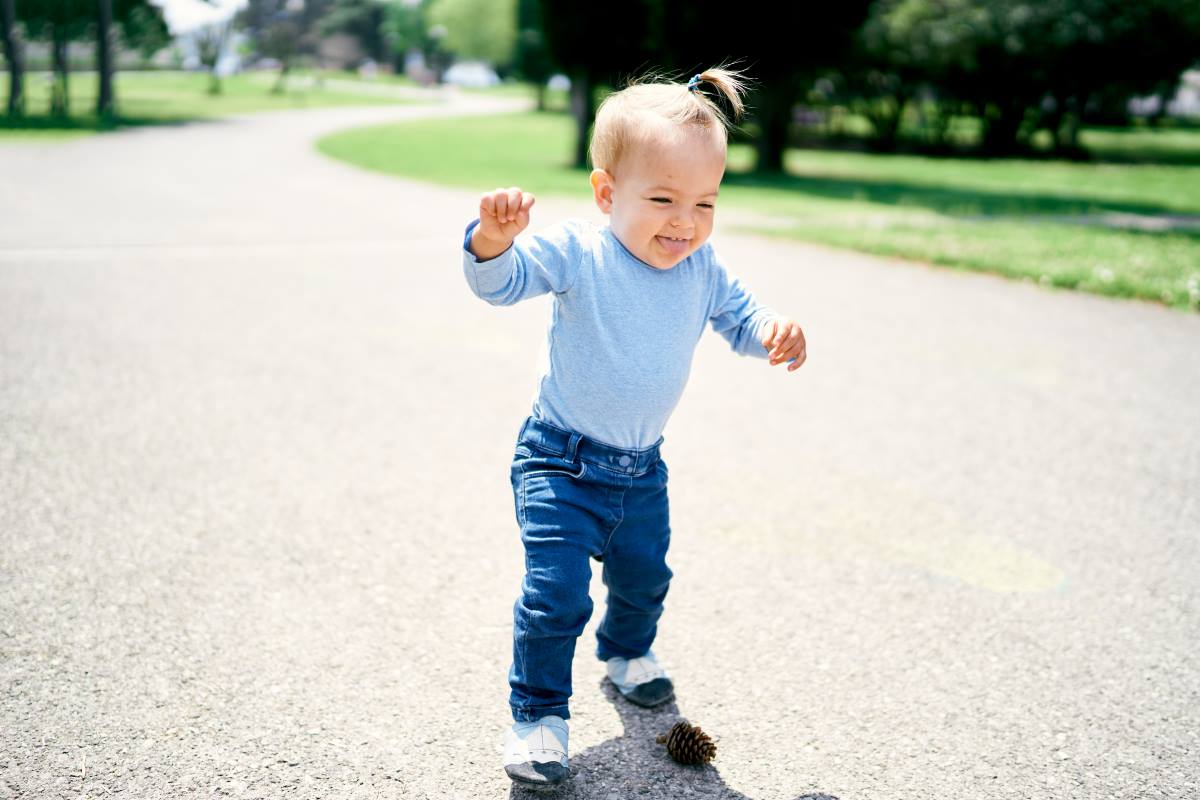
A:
[602,189]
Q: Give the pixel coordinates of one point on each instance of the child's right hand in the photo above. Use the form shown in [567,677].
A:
[503,213]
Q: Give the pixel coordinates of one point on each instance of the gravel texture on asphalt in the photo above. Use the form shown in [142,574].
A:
[257,537]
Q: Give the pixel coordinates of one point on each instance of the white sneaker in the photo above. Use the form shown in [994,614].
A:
[642,680]
[535,753]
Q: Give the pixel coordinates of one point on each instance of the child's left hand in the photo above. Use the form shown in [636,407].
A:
[785,340]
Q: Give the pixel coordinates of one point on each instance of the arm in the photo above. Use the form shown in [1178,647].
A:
[543,262]
[483,248]
[737,316]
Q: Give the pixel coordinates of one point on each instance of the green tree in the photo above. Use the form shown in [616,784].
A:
[885,69]
[362,19]
[571,40]
[532,62]
[146,31]
[211,41]
[14,58]
[136,18]
[485,30]
[63,21]
[1097,50]
[59,22]
[405,29]
[790,51]
[791,45]
[1023,65]
[284,30]
[105,97]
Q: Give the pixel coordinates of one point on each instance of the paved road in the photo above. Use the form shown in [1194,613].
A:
[257,538]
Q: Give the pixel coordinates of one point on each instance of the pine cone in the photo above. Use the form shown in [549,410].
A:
[687,744]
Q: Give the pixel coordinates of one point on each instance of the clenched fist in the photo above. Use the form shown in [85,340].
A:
[503,213]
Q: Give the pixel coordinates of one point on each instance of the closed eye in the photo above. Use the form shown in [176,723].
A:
[667,200]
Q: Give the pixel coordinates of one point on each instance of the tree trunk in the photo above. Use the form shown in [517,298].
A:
[774,117]
[885,115]
[940,121]
[1066,138]
[1052,121]
[60,102]
[281,81]
[105,105]
[583,113]
[1165,93]
[12,54]
[1002,127]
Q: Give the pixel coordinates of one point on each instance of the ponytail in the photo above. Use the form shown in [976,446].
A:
[729,83]
[621,120]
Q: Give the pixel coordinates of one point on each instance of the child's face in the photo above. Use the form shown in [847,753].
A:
[663,191]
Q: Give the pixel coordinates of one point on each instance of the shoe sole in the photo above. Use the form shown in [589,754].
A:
[653,704]
[540,786]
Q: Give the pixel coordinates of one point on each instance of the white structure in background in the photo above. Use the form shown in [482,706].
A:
[416,68]
[186,15]
[1185,103]
[185,18]
[1187,100]
[472,74]
[368,70]
[229,62]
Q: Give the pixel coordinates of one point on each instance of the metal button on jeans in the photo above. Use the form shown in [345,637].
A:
[624,461]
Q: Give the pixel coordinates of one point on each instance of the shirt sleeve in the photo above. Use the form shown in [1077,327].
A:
[736,315]
[534,264]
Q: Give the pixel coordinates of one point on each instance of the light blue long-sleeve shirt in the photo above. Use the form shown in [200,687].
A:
[622,333]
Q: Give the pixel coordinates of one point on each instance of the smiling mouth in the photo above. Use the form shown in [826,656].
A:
[673,246]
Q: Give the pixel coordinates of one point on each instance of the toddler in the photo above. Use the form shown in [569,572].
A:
[631,300]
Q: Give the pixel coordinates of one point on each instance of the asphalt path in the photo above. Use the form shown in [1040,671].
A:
[257,537]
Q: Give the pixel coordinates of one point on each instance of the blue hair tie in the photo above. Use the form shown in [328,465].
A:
[694,82]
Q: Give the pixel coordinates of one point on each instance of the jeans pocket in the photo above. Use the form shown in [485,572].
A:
[530,460]
[549,479]
[550,467]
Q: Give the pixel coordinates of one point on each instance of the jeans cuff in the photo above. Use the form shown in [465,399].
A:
[534,714]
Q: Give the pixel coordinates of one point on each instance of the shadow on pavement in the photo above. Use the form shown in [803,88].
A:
[633,766]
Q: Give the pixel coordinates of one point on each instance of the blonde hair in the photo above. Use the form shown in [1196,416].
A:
[649,110]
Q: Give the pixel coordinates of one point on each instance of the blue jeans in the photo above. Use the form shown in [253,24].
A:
[577,499]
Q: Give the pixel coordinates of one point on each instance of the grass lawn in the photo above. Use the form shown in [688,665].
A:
[1177,145]
[1121,229]
[149,98]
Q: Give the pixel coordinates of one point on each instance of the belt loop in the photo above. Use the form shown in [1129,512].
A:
[573,447]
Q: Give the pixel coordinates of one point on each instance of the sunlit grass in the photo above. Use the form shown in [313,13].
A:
[1175,142]
[1055,222]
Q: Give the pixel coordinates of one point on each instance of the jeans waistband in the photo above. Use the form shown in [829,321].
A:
[571,444]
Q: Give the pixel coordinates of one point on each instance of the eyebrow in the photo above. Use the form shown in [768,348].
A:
[669,189]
